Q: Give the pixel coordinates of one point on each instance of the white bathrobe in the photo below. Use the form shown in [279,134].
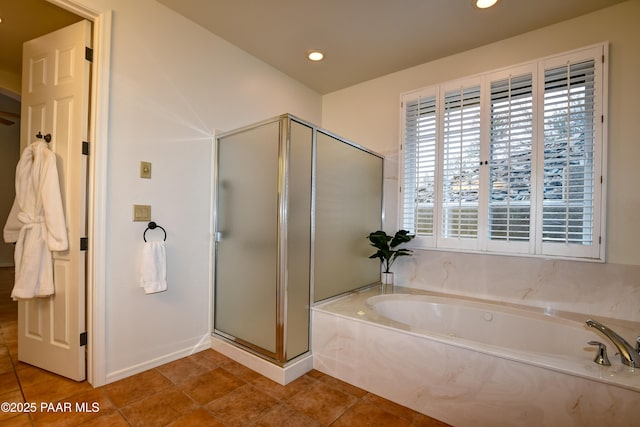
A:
[36,222]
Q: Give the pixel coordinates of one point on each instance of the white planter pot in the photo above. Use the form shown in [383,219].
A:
[386,278]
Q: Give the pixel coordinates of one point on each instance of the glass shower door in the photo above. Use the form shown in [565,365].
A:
[247,237]
[275,241]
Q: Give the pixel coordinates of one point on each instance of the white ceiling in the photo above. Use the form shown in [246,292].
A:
[24,20]
[364,39]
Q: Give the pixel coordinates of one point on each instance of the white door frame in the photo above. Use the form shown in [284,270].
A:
[97,187]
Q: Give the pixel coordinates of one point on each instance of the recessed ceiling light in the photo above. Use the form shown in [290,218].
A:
[315,55]
[484,4]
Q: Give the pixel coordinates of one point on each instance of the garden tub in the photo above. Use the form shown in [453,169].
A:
[468,361]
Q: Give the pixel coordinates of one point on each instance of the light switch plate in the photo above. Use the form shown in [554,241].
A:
[145,170]
[142,212]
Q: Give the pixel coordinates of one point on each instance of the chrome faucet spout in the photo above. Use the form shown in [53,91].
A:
[628,354]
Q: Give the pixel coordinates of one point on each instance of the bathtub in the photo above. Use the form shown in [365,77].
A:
[472,362]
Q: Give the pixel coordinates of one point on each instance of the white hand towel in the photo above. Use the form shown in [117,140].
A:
[154,267]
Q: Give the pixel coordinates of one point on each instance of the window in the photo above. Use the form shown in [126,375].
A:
[420,177]
[510,161]
[460,163]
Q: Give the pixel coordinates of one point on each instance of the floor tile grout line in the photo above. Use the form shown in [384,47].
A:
[13,365]
[230,367]
[15,372]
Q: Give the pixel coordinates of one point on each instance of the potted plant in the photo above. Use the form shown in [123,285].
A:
[386,252]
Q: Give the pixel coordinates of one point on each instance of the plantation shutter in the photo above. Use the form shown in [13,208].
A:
[461,163]
[510,161]
[419,165]
[569,167]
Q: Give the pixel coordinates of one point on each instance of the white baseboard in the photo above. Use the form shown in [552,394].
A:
[203,344]
[281,375]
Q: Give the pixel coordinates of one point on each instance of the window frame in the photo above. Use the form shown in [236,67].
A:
[534,246]
[446,242]
[423,241]
[499,246]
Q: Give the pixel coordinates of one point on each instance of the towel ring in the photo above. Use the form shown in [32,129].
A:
[151,226]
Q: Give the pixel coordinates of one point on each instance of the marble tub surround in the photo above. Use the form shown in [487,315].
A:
[354,305]
[428,374]
[566,351]
[598,289]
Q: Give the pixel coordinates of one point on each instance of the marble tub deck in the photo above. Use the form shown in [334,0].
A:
[353,343]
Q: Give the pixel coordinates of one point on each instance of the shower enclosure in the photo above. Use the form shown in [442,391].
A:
[293,207]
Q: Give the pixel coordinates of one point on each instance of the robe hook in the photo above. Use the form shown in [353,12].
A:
[46,137]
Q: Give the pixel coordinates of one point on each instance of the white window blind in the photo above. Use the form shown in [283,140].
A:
[510,167]
[569,173]
[510,161]
[420,169]
[461,163]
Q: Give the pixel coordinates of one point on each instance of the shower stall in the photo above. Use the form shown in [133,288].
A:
[293,206]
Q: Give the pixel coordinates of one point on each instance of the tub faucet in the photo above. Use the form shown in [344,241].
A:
[628,354]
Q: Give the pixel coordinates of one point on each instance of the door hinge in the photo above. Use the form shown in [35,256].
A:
[83,339]
[599,240]
[88,54]
[84,243]
[85,148]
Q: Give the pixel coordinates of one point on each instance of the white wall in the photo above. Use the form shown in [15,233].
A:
[369,114]
[172,84]
[10,83]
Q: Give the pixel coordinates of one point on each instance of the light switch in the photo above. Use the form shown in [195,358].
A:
[142,212]
[145,170]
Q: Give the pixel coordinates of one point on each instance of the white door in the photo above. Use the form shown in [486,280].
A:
[55,101]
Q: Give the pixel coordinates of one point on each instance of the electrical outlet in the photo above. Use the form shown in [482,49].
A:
[145,170]
[142,212]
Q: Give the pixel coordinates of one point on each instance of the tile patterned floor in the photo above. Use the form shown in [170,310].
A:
[205,389]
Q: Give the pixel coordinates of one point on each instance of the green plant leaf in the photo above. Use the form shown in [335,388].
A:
[379,239]
[403,252]
[401,236]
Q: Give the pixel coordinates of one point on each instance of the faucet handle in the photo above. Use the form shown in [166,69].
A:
[601,356]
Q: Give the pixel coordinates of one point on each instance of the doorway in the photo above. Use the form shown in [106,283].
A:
[101,20]
[54,91]
[21,21]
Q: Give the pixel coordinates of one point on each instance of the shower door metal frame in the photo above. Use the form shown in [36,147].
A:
[280,355]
